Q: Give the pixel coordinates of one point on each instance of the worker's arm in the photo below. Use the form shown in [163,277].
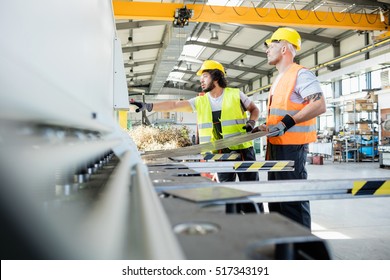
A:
[253,111]
[315,106]
[172,106]
[254,115]
[165,106]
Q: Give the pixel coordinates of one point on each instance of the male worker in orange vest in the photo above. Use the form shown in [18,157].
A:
[295,100]
[221,113]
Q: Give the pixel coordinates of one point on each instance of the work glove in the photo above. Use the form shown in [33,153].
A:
[142,106]
[249,126]
[261,127]
[281,127]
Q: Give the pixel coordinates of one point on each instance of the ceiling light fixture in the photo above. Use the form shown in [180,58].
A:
[381,15]
[241,64]
[189,66]
[131,74]
[214,28]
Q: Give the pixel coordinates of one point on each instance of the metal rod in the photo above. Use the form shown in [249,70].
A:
[279,191]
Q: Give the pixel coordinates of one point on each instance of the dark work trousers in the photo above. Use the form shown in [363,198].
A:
[237,208]
[298,211]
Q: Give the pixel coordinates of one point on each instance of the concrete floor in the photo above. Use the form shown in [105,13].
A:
[358,228]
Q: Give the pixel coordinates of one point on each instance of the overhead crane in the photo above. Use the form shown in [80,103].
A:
[254,16]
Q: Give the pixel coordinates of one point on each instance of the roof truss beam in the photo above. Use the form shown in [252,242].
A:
[140,48]
[183,87]
[304,35]
[247,69]
[138,24]
[140,63]
[140,74]
[241,81]
[227,48]
[367,3]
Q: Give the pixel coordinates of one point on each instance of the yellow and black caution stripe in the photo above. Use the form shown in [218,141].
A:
[221,156]
[266,165]
[381,187]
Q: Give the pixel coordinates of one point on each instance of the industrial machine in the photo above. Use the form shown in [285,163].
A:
[74,186]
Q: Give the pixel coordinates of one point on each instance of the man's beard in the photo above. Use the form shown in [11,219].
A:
[209,88]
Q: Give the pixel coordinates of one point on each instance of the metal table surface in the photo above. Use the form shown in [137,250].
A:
[205,234]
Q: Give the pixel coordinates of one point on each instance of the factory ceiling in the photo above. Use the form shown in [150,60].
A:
[165,42]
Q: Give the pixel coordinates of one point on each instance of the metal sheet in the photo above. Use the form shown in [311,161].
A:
[206,147]
[209,194]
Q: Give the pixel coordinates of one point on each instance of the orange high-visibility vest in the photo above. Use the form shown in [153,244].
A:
[301,133]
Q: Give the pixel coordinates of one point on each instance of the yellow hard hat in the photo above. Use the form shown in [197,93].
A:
[210,65]
[288,34]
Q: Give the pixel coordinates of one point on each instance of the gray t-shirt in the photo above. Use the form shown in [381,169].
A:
[307,84]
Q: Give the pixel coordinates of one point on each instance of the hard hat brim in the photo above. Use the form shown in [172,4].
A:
[269,41]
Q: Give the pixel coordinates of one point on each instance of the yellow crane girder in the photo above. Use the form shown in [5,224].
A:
[250,15]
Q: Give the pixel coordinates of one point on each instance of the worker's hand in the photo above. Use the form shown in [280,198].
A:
[249,126]
[281,127]
[277,130]
[141,106]
[261,127]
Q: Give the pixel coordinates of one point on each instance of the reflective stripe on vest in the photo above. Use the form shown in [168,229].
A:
[233,122]
[302,133]
[205,125]
[232,118]
[204,139]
